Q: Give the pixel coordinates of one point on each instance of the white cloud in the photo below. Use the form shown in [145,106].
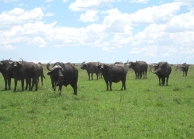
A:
[6,1]
[183,22]
[189,3]
[20,16]
[49,0]
[7,47]
[84,5]
[161,26]
[116,22]
[139,1]
[89,16]
[107,48]
[49,14]
[21,4]
[156,14]
[40,42]
[150,51]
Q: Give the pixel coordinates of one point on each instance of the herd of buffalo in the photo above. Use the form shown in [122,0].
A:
[66,73]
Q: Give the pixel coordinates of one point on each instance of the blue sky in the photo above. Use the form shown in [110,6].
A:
[97,30]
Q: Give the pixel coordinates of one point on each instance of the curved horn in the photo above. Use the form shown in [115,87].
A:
[48,66]
[21,61]
[10,61]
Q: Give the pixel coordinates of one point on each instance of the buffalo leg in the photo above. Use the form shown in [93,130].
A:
[163,80]
[110,82]
[140,75]
[88,75]
[74,86]
[34,82]
[15,81]
[27,84]
[31,86]
[5,80]
[53,85]
[123,85]
[159,80]
[22,83]
[167,81]
[60,89]
[9,83]
[106,85]
[97,76]
[136,75]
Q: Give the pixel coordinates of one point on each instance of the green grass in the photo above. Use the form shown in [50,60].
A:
[144,110]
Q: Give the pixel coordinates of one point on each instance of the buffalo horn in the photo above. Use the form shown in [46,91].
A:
[21,62]
[10,61]
[48,66]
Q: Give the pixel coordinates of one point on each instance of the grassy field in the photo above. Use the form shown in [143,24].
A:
[144,110]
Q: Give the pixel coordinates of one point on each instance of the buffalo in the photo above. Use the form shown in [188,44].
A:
[63,74]
[162,70]
[91,68]
[140,68]
[7,72]
[24,70]
[184,68]
[40,72]
[112,73]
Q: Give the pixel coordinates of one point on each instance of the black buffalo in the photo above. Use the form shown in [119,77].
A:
[40,72]
[7,72]
[91,68]
[113,73]
[140,68]
[63,74]
[24,70]
[162,70]
[185,68]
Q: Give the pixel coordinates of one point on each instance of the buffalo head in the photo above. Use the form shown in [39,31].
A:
[16,64]
[131,64]
[83,65]
[56,74]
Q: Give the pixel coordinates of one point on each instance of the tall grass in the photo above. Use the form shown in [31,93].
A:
[143,110]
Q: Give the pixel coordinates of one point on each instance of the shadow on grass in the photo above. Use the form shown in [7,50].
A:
[114,90]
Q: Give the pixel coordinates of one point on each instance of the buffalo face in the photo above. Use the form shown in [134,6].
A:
[16,65]
[56,71]
[83,65]
[56,74]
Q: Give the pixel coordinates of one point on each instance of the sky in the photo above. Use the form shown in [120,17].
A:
[97,30]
